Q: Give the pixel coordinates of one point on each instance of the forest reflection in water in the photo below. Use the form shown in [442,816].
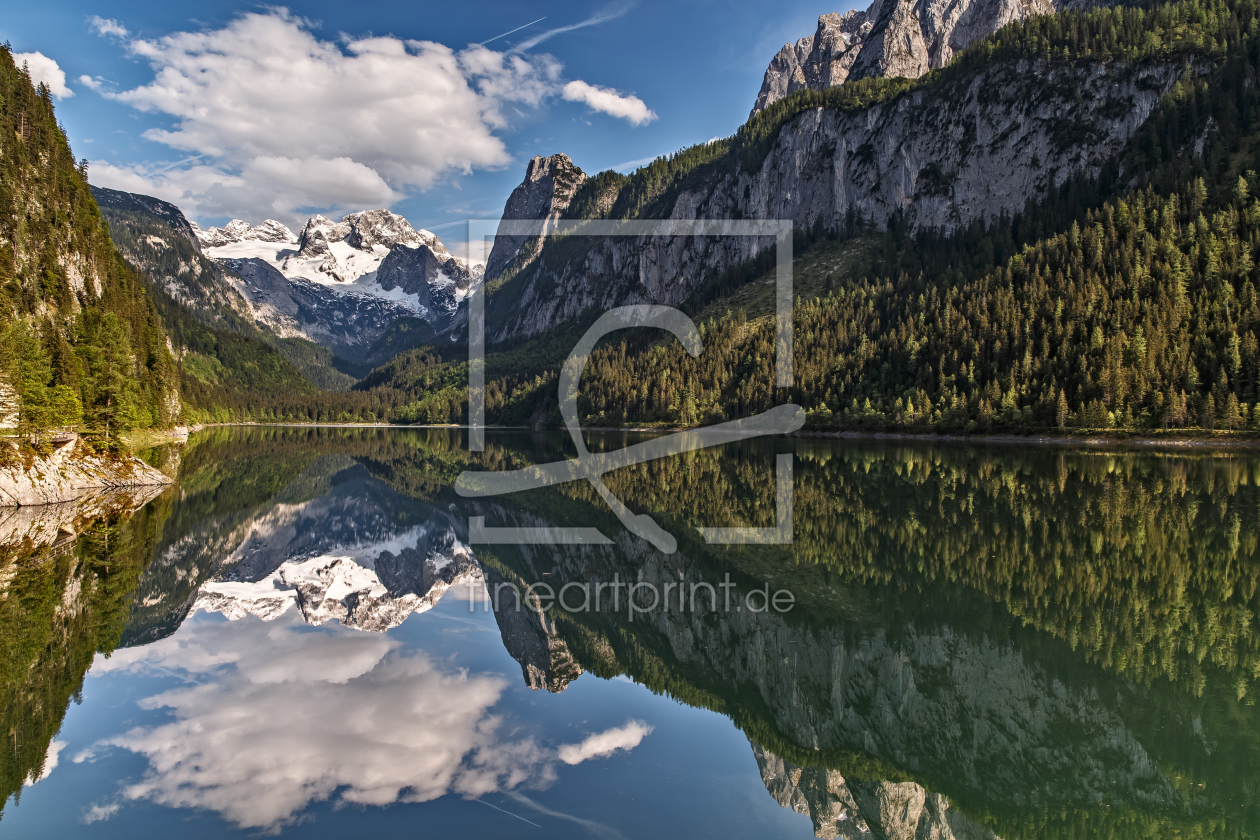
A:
[985,641]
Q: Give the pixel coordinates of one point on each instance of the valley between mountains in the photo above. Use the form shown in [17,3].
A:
[1029,220]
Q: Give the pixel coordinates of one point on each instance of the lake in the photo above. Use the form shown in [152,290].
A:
[313,633]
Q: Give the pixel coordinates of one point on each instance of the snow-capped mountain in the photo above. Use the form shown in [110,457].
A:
[342,283]
[239,231]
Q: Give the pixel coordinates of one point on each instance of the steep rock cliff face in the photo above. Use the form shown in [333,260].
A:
[438,281]
[863,810]
[550,184]
[980,146]
[156,239]
[891,38]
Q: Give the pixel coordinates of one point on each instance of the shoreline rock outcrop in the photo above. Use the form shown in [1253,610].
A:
[70,473]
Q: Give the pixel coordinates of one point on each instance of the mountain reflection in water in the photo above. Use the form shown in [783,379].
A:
[985,641]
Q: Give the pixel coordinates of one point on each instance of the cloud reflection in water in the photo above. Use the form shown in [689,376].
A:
[279,715]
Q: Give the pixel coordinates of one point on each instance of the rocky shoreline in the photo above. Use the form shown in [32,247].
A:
[69,473]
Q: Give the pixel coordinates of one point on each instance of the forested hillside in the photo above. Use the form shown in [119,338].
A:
[1126,300]
[1140,312]
[81,344]
[218,345]
[1123,300]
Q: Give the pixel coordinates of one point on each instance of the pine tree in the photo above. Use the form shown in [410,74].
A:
[1233,417]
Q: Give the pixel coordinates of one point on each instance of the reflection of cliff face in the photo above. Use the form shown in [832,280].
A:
[38,526]
[1145,563]
[973,715]
[853,810]
[529,636]
[935,701]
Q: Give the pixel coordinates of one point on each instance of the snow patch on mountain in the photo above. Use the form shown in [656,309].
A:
[241,231]
[421,279]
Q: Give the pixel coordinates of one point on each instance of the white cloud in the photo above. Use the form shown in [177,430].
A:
[622,105]
[91,83]
[291,122]
[288,123]
[604,744]
[50,761]
[277,715]
[46,70]
[101,812]
[107,27]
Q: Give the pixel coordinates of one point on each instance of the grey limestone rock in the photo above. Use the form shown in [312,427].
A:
[891,38]
[550,184]
[848,809]
[977,147]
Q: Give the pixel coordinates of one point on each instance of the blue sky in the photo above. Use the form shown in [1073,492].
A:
[330,107]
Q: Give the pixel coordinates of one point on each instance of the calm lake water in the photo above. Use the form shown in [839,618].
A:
[305,639]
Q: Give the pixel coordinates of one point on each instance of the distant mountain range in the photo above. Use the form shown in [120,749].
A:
[342,284]
[337,285]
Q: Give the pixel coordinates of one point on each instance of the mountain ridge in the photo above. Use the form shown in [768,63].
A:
[343,284]
[893,38]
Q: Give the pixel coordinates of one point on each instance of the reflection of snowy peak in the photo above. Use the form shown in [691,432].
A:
[342,588]
[343,283]
[345,556]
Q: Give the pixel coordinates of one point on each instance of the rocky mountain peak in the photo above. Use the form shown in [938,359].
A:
[238,230]
[323,228]
[271,231]
[891,38]
[378,227]
[550,184]
[346,282]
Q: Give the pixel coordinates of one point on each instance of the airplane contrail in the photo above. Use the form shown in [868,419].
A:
[180,163]
[517,29]
[482,801]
